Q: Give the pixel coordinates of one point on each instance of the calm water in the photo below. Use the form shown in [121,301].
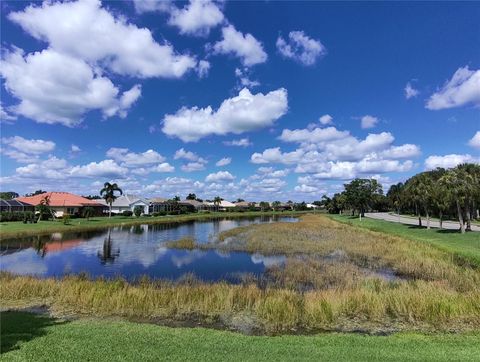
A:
[135,251]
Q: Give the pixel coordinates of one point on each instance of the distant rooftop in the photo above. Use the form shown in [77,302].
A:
[59,199]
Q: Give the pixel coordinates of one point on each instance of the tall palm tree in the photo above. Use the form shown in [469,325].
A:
[457,183]
[108,193]
[395,196]
[43,208]
[217,201]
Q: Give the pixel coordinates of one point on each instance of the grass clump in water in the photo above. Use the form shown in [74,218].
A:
[187,243]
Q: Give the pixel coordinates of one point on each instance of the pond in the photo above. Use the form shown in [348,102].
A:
[135,251]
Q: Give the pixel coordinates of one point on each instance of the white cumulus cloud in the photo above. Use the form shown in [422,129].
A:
[475,140]
[243,113]
[133,159]
[410,92]
[25,150]
[58,88]
[71,27]
[326,119]
[223,162]
[242,142]
[220,176]
[244,46]
[449,161]
[462,89]
[301,48]
[197,17]
[368,121]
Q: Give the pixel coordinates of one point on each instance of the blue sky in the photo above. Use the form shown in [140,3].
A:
[258,100]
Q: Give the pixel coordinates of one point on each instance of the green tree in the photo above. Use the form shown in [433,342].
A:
[439,195]
[138,210]
[420,190]
[108,193]
[43,208]
[264,206]
[461,185]
[8,195]
[360,194]
[191,197]
[276,205]
[217,201]
[88,212]
[395,196]
[472,192]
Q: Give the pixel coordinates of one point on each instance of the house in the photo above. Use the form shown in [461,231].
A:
[159,204]
[64,203]
[15,206]
[246,205]
[312,206]
[197,205]
[128,203]
[223,206]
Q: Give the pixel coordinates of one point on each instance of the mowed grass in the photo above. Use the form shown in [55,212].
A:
[465,246]
[19,229]
[29,337]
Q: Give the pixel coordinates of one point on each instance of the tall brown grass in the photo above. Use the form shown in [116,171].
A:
[376,304]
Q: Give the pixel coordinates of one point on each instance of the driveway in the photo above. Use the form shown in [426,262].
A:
[414,221]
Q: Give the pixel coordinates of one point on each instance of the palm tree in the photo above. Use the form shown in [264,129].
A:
[472,192]
[191,196]
[461,186]
[395,196]
[217,201]
[108,193]
[43,208]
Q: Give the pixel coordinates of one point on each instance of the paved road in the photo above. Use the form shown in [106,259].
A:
[411,221]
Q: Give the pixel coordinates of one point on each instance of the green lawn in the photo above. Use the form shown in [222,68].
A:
[466,246]
[30,337]
[18,228]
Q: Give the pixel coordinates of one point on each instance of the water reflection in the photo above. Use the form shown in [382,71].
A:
[108,254]
[133,251]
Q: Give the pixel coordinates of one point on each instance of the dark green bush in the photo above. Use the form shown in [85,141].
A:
[12,216]
[127,213]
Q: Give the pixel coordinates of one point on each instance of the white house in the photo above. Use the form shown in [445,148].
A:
[223,206]
[128,203]
[312,206]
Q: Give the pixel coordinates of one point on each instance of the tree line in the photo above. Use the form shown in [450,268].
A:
[443,193]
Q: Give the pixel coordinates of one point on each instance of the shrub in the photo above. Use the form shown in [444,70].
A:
[127,213]
[66,219]
[159,213]
[12,216]
[138,210]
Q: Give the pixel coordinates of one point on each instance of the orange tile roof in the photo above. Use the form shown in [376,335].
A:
[60,199]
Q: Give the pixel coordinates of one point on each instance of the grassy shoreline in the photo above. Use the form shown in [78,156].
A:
[17,229]
[461,246]
[31,337]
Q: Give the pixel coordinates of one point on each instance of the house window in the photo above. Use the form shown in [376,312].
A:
[70,210]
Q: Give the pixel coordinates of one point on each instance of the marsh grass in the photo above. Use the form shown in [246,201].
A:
[187,243]
[326,283]
[373,305]
[319,236]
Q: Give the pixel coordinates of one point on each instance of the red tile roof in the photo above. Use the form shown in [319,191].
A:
[60,199]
